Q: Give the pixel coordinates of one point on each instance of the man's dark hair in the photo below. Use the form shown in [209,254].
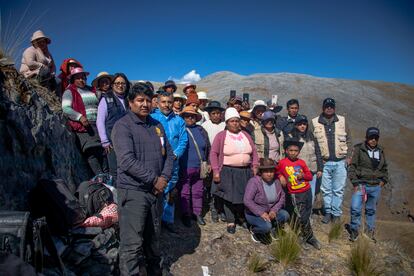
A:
[292,102]
[139,89]
[122,75]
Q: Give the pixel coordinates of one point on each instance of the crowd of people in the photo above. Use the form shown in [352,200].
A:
[251,166]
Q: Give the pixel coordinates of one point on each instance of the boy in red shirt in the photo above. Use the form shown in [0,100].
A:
[295,175]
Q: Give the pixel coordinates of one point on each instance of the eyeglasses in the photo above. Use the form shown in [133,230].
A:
[120,83]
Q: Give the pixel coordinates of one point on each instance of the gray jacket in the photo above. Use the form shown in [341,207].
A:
[143,152]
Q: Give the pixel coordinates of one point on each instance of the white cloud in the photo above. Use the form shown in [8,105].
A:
[190,77]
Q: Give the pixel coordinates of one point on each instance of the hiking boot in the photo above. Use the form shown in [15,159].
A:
[327,218]
[200,220]
[231,229]
[214,215]
[314,242]
[186,220]
[336,219]
[353,234]
[169,227]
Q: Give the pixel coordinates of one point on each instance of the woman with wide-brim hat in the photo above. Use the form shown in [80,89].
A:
[191,185]
[234,161]
[169,86]
[80,106]
[189,88]
[178,103]
[38,62]
[102,83]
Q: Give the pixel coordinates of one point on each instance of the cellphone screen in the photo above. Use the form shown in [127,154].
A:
[232,93]
[274,99]
[245,97]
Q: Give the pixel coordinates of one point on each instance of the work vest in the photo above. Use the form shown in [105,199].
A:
[115,112]
[319,132]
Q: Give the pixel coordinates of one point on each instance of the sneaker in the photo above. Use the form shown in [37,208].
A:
[327,218]
[314,242]
[222,217]
[231,229]
[186,221]
[254,237]
[353,234]
[200,220]
[261,238]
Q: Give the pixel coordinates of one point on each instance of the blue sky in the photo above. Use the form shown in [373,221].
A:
[155,40]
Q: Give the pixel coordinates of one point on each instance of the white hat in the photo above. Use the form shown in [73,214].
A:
[231,112]
[258,103]
[38,35]
[178,95]
[202,95]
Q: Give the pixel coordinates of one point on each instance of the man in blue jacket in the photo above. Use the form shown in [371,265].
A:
[145,161]
[174,127]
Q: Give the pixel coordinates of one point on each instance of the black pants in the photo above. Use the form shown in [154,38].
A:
[97,160]
[112,164]
[140,228]
[301,212]
[233,211]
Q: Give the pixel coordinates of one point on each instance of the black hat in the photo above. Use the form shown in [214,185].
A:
[301,119]
[372,131]
[328,102]
[292,102]
[214,105]
[292,142]
[170,83]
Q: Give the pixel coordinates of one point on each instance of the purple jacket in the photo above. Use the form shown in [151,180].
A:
[217,156]
[255,198]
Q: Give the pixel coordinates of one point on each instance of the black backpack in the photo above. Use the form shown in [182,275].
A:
[26,238]
[53,200]
[93,196]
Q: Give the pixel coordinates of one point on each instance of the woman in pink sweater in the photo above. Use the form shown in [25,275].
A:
[234,161]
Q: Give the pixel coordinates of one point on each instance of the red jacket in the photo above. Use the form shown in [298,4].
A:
[290,169]
[64,72]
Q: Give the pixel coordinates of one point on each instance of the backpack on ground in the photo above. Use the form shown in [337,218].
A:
[53,200]
[93,196]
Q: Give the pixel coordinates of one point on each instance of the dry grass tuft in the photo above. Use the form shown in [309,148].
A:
[256,264]
[335,232]
[286,250]
[362,259]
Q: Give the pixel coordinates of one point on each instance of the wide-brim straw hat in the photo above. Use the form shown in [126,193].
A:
[188,85]
[191,110]
[40,35]
[102,75]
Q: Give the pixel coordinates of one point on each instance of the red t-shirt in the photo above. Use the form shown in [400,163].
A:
[290,169]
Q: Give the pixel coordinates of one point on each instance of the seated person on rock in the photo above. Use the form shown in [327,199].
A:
[264,198]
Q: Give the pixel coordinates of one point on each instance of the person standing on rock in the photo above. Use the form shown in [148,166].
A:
[268,139]
[295,175]
[213,126]
[234,161]
[264,199]
[334,139]
[80,106]
[368,173]
[287,124]
[174,127]
[37,62]
[191,181]
[112,106]
[145,162]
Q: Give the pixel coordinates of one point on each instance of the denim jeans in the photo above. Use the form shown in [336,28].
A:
[261,226]
[332,187]
[373,194]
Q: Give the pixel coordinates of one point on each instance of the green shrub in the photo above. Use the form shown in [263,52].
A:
[286,250]
[362,259]
[256,264]
[335,232]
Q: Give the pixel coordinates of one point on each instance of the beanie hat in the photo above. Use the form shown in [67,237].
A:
[192,98]
[231,112]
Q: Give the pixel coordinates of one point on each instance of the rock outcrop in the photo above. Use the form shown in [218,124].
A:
[34,141]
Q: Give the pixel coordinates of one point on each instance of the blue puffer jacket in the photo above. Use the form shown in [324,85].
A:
[174,127]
